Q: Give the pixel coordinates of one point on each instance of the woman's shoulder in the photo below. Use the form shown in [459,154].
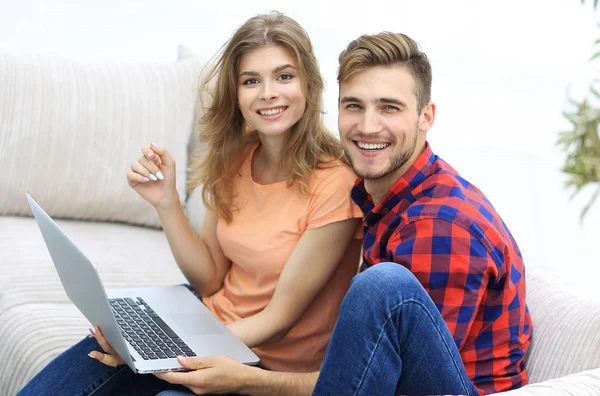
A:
[332,170]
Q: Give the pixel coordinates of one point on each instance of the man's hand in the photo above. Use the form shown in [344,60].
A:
[211,375]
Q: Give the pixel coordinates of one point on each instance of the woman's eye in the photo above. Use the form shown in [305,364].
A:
[250,81]
[284,77]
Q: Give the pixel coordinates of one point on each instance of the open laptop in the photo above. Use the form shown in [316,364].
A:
[148,327]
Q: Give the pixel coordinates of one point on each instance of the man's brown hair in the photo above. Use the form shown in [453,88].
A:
[388,49]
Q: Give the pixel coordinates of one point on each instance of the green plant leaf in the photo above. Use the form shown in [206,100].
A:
[587,207]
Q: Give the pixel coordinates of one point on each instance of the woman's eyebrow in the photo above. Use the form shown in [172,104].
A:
[283,67]
[249,73]
[276,70]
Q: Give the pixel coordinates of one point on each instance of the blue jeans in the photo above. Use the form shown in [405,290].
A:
[391,339]
[75,373]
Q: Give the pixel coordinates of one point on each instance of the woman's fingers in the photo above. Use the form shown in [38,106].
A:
[110,358]
[103,358]
[154,172]
[163,154]
[135,178]
[102,341]
[148,152]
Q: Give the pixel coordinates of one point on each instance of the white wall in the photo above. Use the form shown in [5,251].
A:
[501,74]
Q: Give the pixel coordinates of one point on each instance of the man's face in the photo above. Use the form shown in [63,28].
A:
[380,128]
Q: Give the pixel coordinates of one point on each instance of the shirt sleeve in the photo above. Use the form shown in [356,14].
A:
[453,266]
[330,199]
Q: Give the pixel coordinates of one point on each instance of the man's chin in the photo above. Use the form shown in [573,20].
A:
[370,174]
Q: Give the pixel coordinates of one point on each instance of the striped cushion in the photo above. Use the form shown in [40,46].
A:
[69,130]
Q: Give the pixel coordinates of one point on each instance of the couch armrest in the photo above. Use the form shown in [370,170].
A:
[565,339]
[586,383]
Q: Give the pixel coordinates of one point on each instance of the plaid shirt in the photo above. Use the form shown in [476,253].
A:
[446,232]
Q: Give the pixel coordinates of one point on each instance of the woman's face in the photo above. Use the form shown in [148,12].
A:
[270,93]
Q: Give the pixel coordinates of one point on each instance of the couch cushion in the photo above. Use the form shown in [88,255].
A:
[69,130]
[31,335]
[125,256]
[565,337]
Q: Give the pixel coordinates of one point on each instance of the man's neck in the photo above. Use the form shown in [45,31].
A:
[377,188]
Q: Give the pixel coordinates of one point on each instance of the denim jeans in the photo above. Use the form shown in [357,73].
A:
[390,339]
[75,373]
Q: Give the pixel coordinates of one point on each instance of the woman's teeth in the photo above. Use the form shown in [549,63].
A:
[271,112]
[372,146]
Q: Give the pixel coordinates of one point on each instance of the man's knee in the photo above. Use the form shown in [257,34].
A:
[384,278]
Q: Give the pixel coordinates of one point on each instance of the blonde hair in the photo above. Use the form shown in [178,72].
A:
[222,128]
[388,49]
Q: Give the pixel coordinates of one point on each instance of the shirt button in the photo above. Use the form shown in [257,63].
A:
[385,210]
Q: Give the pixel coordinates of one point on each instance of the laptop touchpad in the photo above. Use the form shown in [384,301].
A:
[196,324]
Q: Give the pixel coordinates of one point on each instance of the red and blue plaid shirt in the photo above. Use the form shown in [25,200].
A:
[446,232]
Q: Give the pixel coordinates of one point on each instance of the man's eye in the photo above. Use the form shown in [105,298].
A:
[250,81]
[285,77]
[390,107]
[352,106]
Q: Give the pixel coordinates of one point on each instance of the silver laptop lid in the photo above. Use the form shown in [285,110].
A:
[80,280]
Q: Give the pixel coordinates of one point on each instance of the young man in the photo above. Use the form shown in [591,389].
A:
[439,305]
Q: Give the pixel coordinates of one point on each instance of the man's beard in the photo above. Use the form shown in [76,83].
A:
[396,161]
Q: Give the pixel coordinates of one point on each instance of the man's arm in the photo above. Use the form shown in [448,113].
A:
[268,383]
[221,374]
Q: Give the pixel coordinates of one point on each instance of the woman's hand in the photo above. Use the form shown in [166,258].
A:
[110,358]
[153,176]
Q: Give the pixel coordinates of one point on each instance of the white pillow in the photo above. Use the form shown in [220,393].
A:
[69,131]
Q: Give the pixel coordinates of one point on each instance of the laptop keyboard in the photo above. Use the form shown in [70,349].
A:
[147,333]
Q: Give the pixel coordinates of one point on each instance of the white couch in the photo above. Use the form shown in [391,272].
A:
[68,131]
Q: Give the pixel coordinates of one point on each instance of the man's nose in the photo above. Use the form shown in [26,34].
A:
[370,122]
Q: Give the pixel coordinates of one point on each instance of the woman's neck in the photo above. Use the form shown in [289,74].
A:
[267,158]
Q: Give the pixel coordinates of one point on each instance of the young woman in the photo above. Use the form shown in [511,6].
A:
[276,251]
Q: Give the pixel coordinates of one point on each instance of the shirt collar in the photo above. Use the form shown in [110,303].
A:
[414,176]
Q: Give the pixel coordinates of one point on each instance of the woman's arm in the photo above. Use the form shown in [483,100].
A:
[200,258]
[307,270]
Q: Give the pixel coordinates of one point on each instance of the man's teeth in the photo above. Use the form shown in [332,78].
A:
[271,112]
[372,146]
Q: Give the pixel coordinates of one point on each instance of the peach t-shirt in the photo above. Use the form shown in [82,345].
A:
[260,238]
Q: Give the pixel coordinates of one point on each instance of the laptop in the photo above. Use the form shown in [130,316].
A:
[148,327]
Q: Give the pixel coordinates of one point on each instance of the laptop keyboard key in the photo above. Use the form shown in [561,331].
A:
[150,336]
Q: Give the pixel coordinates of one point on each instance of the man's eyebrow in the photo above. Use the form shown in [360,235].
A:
[352,99]
[391,101]
[276,70]
[348,99]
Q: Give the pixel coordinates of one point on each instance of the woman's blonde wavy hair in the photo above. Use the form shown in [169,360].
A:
[222,128]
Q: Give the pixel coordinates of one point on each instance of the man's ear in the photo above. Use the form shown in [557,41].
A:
[427,117]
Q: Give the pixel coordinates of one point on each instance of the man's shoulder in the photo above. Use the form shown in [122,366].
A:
[446,196]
